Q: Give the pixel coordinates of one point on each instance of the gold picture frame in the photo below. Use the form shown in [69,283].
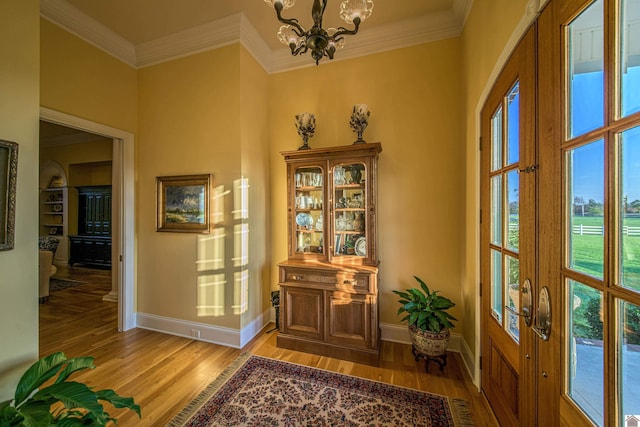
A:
[183,203]
[8,176]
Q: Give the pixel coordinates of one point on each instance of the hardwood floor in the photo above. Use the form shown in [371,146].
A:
[164,372]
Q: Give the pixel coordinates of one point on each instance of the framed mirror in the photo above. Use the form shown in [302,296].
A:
[8,176]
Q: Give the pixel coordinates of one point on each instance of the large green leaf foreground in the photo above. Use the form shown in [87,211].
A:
[33,406]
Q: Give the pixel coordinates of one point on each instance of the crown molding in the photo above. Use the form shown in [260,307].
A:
[237,29]
[88,29]
[209,36]
[255,44]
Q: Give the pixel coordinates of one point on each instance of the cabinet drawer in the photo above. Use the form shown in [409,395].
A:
[345,281]
[358,283]
[301,275]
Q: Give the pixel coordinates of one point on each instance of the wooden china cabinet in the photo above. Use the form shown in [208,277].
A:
[329,283]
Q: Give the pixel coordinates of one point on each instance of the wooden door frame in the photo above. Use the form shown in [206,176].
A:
[531,13]
[123,227]
[549,261]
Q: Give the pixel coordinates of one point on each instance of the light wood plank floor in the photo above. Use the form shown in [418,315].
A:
[163,372]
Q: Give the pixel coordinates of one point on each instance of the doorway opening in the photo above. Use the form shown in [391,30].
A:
[122,221]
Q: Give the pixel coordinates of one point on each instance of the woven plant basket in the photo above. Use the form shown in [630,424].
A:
[429,343]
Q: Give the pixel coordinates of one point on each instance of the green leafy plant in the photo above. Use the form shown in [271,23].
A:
[425,309]
[62,402]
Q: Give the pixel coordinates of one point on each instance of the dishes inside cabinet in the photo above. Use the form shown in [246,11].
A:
[303,219]
[361,246]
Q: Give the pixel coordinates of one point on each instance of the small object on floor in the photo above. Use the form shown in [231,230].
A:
[440,360]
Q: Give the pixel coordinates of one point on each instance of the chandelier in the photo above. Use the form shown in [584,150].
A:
[321,42]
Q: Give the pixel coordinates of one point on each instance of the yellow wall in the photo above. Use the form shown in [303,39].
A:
[189,123]
[254,139]
[415,98]
[100,150]
[488,29]
[19,76]
[83,81]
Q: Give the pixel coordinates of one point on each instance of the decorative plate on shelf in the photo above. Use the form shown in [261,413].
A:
[303,219]
[361,246]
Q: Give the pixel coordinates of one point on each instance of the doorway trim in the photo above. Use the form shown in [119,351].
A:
[123,165]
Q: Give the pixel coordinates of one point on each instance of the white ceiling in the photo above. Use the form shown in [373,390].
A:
[145,32]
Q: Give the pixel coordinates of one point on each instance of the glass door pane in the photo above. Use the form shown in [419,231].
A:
[630,209]
[586,71]
[308,210]
[349,211]
[585,235]
[629,351]
[513,125]
[586,350]
[629,75]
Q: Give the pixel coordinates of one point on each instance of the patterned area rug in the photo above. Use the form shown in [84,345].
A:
[256,391]
[56,284]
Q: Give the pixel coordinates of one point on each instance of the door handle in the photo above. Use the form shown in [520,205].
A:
[543,320]
[527,304]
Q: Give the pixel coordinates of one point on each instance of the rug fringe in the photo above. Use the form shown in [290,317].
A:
[193,406]
[461,410]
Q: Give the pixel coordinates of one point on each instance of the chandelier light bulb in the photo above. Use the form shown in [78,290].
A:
[287,36]
[352,9]
[286,4]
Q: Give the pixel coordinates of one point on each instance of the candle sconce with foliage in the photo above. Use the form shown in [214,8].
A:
[306,125]
[359,121]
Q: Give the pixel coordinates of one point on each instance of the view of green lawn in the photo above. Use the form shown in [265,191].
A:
[587,251]
[587,256]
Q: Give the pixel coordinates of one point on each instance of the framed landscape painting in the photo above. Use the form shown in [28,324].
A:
[8,176]
[183,203]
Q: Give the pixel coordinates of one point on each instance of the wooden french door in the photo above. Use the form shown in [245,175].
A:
[508,237]
[589,210]
[561,221]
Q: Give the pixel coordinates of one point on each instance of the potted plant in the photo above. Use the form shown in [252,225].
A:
[61,402]
[428,319]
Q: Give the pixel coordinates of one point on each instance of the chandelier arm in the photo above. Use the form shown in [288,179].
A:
[301,50]
[344,31]
[293,22]
[317,12]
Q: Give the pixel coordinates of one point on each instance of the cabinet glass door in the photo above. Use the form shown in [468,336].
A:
[308,217]
[349,210]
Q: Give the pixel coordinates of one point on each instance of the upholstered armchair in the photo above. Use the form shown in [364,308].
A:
[46,269]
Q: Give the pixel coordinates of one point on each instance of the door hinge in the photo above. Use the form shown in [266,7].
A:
[480,362]
[480,144]
[480,288]
[480,216]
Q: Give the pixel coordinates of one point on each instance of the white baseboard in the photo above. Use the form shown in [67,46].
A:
[201,331]
[469,360]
